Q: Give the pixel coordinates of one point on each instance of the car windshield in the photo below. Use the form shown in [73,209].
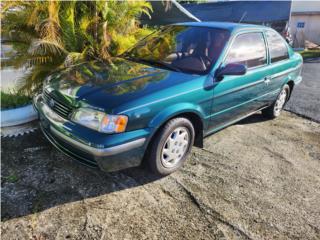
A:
[181,48]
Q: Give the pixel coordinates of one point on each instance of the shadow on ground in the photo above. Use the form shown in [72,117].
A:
[255,118]
[35,177]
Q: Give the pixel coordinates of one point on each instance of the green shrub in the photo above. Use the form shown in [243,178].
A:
[12,100]
[310,53]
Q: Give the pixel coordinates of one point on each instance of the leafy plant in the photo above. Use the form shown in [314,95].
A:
[49,35]
[11,100]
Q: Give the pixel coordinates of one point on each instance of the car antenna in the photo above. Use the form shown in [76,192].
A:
[243,16]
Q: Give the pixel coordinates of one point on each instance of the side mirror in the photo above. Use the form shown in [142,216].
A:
[231,69]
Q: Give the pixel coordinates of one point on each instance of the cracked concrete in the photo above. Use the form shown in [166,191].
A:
[257,179]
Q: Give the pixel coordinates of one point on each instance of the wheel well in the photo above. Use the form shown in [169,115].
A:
[196,122]
[291,85]
[198,127]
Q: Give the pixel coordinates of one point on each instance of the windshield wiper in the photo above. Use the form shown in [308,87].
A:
[153,63]
[166,65]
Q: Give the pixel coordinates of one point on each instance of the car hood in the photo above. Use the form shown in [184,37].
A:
[106,85]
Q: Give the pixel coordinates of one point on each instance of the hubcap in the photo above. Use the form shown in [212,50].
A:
[175,147]
[280,102]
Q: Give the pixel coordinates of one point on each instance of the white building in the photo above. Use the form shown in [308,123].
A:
[305,22]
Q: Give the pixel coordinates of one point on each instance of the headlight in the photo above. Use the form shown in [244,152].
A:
[100,121]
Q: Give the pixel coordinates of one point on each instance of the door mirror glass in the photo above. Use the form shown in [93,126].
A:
[231,69]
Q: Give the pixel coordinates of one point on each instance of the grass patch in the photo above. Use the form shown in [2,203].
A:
[310,53]
[12,100]
[11,178]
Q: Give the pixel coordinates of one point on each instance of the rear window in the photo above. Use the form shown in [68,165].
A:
[248,49]
[277,47]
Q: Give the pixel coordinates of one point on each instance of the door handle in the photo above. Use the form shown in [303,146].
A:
[267,80]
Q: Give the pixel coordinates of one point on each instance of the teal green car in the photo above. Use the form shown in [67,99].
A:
[164,95]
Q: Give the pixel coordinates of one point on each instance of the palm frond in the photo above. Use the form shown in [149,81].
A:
[38,60]
[45,47]
[33,79]
[46,35]
[68,25]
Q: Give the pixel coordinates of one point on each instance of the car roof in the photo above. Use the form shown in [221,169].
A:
[223,25]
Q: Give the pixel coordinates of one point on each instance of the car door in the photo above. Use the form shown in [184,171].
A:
[236,96]
[279,64]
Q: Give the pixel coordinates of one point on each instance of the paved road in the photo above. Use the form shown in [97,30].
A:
[257,179]
[305,99]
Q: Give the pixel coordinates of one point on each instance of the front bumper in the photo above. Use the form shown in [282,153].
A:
[109,152]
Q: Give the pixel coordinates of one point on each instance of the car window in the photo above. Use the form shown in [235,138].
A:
[277,47]
[248,49]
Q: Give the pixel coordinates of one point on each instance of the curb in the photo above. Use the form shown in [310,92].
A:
[17,116]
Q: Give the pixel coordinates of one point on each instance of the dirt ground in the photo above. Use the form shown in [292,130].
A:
[257,179]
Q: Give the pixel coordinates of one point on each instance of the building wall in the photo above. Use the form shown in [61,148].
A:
[310,31]
[305,6]
[307,12]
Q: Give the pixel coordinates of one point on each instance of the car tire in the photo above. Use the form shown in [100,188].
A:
[171,146]
[275,109]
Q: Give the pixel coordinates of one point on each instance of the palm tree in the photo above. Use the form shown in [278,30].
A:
[49,35]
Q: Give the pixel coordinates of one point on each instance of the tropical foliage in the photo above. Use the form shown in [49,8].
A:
[48,35]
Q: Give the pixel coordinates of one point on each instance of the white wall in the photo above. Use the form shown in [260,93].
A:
[305,6]
[310,32]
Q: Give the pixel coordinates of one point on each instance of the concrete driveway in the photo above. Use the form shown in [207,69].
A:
[257,179]
[305,99]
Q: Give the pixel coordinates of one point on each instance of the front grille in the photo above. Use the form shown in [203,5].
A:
[60,108]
